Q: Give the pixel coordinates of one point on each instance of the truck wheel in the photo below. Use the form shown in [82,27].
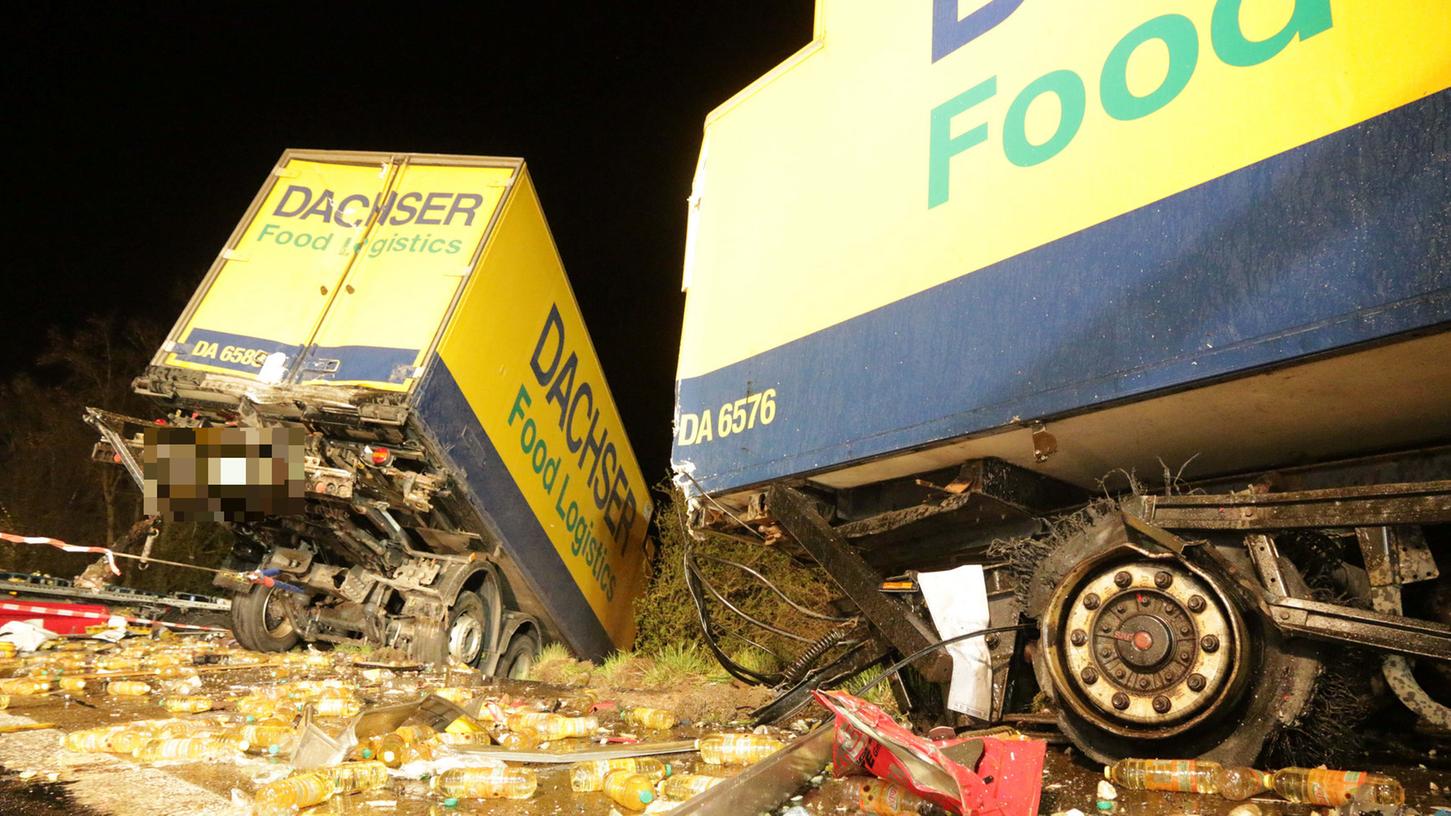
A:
[259,622]
[518,659]
[467,628]
[1152,656]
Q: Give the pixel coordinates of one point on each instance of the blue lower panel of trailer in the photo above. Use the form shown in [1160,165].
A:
[1342,241]
[448,416]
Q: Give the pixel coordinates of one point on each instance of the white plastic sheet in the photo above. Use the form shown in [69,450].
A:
[957,599]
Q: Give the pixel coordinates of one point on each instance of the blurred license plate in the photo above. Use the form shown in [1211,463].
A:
[223,474]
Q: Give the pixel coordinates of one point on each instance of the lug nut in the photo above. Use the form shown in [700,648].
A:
[1120,674]
[1143,682]
[1122,578]
[1185,630]
[1196,604]
[1120,700]
[1089,675]
[1090,601]
[1162,579]
[1078,638]
[1209,643]
[1105,653]
[1162,704]
[1196,682]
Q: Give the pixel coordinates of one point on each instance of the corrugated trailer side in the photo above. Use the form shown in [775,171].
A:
[516,399]
[925,231]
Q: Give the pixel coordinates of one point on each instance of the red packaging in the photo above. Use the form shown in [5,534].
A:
[1007,780]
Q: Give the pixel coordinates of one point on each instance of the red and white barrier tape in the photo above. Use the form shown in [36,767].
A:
[64,547]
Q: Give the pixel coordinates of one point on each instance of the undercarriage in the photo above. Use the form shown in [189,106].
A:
[1199,622]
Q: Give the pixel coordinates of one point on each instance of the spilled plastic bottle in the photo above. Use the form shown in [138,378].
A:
[679,787]
[4,701]
[21,686]
[590,776]
[517,740]
[1241,783]
[72,684]
[300,790]
[1177,775]
[630,790]
[1322,786]
[657,719]
[389,749]
[127,688]
[737,749]
[262,738]
[91,740]
[191,704]
[553,726]
[188,749]
[498,782]
[356,777]
[884,798]
[414,734]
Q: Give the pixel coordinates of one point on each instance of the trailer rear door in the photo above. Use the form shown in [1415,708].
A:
[406,273]
[269,288]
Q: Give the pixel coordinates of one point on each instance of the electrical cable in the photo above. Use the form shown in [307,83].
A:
[745,615]
[697,598]
[771,586]
[896,667]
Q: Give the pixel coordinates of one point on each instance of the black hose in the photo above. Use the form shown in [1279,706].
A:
[741,612]
[896,667]
[736,670]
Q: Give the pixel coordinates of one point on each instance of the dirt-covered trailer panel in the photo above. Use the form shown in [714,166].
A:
[925,226]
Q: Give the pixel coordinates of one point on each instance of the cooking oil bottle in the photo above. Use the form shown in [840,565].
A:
[22,686]
[884,798]
[590,776]
[552,726]
[127,688]
[260,738]
[72,684]
[680,787]
[1178,775]
[657,719]
[190,749]
[91,740]
[1241,783]
[630,790]
[285,796]
[737,749]
[498,782]
[189,704]
[1321,786]
[355,777]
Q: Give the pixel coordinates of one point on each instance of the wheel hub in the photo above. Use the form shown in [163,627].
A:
[1146,645]
[465,639]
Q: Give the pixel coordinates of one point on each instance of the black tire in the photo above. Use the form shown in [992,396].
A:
[258,627]
[518,659]
[468,628]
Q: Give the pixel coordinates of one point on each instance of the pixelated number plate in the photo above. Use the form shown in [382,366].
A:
[223,474]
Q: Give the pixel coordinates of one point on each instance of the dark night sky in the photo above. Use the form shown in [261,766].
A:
[140,132]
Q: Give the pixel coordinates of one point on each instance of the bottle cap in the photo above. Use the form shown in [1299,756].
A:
[646,797]
[450,802]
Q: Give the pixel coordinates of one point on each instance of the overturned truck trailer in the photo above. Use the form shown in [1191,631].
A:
[947,275]
[386,389]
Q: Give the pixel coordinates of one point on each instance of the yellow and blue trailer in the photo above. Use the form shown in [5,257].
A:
[956,267]
[408,315]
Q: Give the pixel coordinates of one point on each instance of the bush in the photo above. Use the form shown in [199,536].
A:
[666,617]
